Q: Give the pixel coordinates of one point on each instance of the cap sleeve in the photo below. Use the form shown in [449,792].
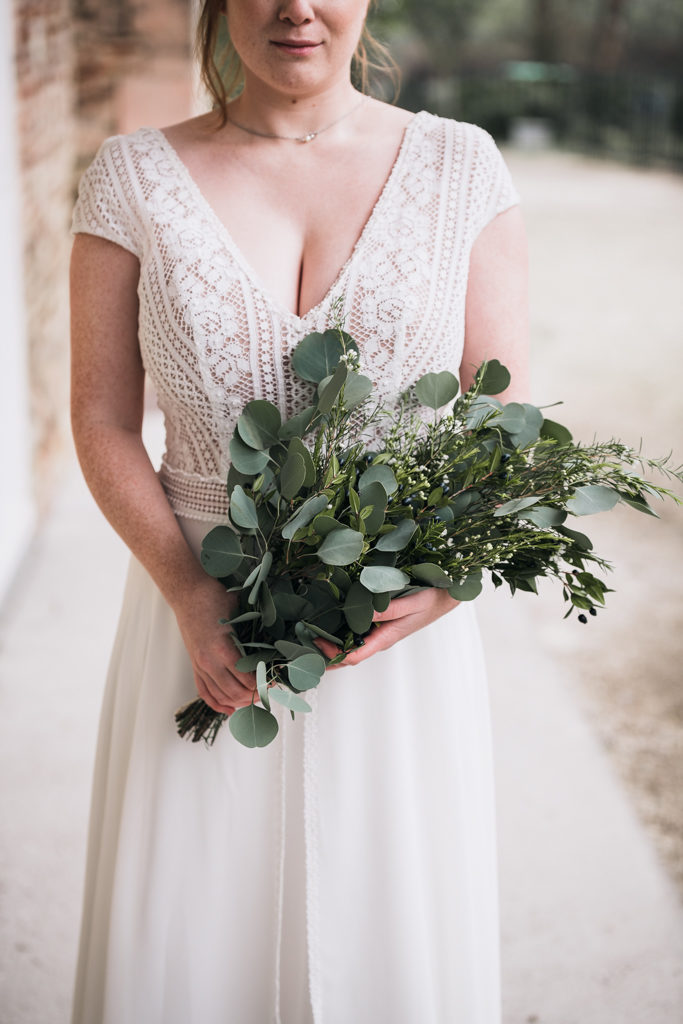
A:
[106,203]
[493,190]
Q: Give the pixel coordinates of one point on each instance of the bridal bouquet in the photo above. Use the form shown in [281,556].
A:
[323,532]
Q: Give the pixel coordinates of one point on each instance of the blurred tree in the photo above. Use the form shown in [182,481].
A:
[609,35]
[544,45]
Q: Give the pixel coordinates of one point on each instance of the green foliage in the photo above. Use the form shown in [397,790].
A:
[326,533]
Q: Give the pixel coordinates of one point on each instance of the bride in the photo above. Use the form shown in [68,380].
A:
[347,872]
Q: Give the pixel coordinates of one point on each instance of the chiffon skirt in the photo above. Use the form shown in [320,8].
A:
[346,874]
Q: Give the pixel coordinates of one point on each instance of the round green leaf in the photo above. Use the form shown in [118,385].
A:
[592,498]
[511,418]
[378,473]
[436,389]
[262,684]
[246,459]
[259,424]
[304,514]
[467,589]
[429,572]
[317,355]
[292,476]
[242,509]
[358,608]
[221,552]
[356,389]
[375,496]
[297,445]
[380,578]
[290,650]
[306,672]
[531,428]
[253,726]
[288,699]
[556,431]
[297,425]
[545,516]
[341,547]
[493,377]
[329,389]
[509,508]
[398,538]
[325,523]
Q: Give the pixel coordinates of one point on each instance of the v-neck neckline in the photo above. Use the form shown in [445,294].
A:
[237,253]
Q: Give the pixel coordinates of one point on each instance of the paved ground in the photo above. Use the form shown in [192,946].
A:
[587,721]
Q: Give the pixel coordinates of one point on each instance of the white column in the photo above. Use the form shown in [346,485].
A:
[17,513]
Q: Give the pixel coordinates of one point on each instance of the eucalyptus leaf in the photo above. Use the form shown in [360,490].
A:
[262,684]
[253,726]
[291,607]
[297,445]
[592,498]
[288,699]
[290,650]
[297,426]
[263,570]
[436,389]
[242,509]
[432,574]
[508,508]
[398,538]
[292,476]
[325,523]
[374,495]
[246,459]
[341,547]
[381,601]
[304,514]
[483,407]
[380,578]
[358,608]
[356,389]
[259,424]
[221,552]
[583,542]
[268,609]
[378,473]
[329,390]
[545,516]
[556,431]
[317,355]
[493,377]
[306,671]
[467,589]
[640,505]
[319,631]
[511,418]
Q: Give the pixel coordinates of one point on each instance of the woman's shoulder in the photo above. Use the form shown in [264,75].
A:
[466,132]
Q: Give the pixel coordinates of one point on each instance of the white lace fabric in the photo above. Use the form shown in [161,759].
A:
[211,336]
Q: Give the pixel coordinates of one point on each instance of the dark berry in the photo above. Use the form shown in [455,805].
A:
[593,611]
[582,618]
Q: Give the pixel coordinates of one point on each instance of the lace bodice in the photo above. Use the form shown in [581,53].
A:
[211,336]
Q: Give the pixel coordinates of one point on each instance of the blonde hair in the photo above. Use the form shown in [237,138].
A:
[221,68]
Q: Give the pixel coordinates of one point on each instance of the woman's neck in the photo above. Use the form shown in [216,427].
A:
[273,112]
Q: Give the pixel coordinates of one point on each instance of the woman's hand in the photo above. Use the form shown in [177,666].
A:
[212,652]
[405,615]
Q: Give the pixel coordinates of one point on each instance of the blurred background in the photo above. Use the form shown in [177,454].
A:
[586,101]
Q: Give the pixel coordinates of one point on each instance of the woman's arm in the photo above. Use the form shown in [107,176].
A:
[496,327]
[106,410]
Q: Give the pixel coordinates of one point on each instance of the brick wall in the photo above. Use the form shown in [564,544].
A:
[45,130]
[85,69]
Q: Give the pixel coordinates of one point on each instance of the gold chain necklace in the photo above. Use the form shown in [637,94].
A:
[308,137]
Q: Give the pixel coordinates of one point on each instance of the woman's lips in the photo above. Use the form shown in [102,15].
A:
[297,47]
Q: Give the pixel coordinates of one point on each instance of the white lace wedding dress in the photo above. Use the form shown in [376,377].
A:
[346,874]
